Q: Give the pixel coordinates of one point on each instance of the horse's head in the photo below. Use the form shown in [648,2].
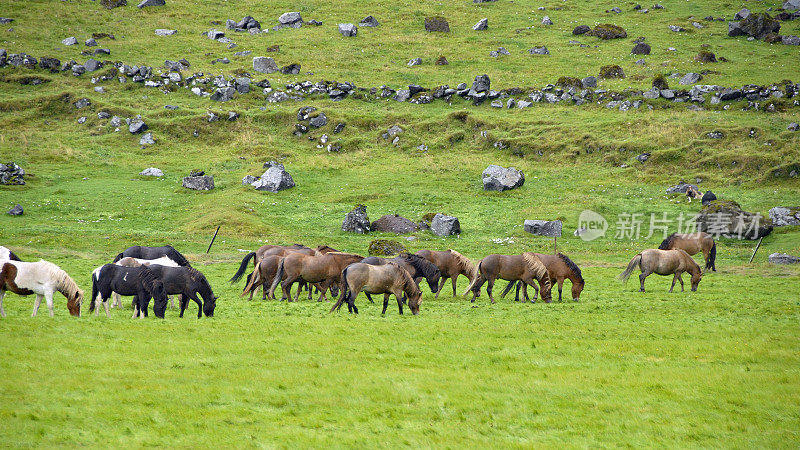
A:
[159,298]
[696,280]
[414,300]
[74,303]
[577,288]
[334,289]
[209,305]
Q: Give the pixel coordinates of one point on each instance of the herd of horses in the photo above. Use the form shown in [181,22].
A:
[155,273]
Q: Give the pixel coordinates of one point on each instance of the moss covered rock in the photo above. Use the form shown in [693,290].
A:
[726,218]
[608,31]
[611,71]
[706,57]
[385,247]
[569,82]
[437,24]
[660,82]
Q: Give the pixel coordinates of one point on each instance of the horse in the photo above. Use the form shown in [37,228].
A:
[560,267]
[267,267]
[322,268]
[383,279]
[664,262]
[525,267]
[693,193]
[42,278]
[259,254]
[416,266]
[6,254]
[140,282]
[451,264]
[154,253]
[693,243]
[135,262]
[187,282]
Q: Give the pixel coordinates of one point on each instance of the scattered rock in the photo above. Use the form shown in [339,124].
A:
[793,127]
[690,78]
[641,49]
[146,3]
[275,179]
[339,128]
[369,21]
[199,182]
[611,71]
[759,25]
[385,247]
[791,5]
[356,221]
[12,174]
[497,178]
[443,225]
[441,61]
[291,69]
[550,228]
[319,121]
[151,172]
[643,157]
[677,29]
[290,18]
[790,40]
[539,51]
[91,65]
[16,210]
[248,180]
[82,103]
[482,24]
[581,29]
[681,188]
[165,32]
[608,31]
[147,139]
[70,41]
[589,82]
[743,13]
[137,126]
[706,57]
[415,62]
[784,216]
[715,135]
[775,258]
[726,218]
[223,94]
[546,20]
[91,42]
[392,223]
[708,197]
[264,64]
[111,4]
[437,24]
[348,29]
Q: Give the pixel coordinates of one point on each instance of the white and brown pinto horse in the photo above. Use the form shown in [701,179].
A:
[42,278]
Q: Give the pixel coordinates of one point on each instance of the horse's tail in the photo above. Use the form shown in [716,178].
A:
[477,275]
[637,260]
[276,280]
[252,279]
[95,288]
[120,256]
[712,258]
[344,293]
[177,256]
[243,267]
[508,288]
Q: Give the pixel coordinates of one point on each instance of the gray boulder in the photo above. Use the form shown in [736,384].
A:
[790,40]
[146,3]
[641,49]
[791,5]
[70,41]
[275,179]
[482,24]
[199,183]
[775,258]
[91,42]
[690,78]
[539,51]
[743,13]
[546,20]
[165,32]
[708,197]
[223,94]
[147,139]
[348,29]
[726,218]
[784,216]
[290,18]
[137,126]
[392,223]
[356,221]
[793,127]
[264,64]
[497,178]
[249,180]
[589,82]
[369,21]
[12,174]
[92,64]
[443,225]
[16,210]
[681,188]
[735,29]
[82,103]
[151,172]
[551,228]
[320,121]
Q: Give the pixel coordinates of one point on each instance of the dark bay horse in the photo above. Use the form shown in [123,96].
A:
[187,282]
[525,267]
[383,279]
[451,264]
[664,262]
[267,267]
[140,252]
[693,243]
[560,267]
[416,266]
[322,268]
[139,282]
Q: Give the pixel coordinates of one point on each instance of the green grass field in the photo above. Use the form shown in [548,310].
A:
[714,368]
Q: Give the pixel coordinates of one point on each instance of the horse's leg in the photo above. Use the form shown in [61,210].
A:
[489,287]
[399,300]
[2,311]
[105,306]
[476,290]
[642,276]
[117,302]
[171,304]
[516,297]
[525,292]
[351,302]
[193,296]
[369,297]
[48,298]
[455,281]
[674,279]
[441,285]
[386,303]
[560,285]
[535,290]
[183,302]
[680,279]
[36,304]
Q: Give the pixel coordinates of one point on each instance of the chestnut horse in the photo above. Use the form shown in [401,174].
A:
[267,267]
[451,264]
[525,267]
[263,251]
[42,278]
[664,262]
[323,268]
[560,267]
[693,243]
[384,279]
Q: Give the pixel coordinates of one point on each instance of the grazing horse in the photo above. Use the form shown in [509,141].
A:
[693,243]
[6,254]
[187,282]
[693,193]
[140,282]
[322,268]
[135,262]
[451,264]
[525,267]
[416,266]
[664,262]
[259,254]
[383,279]
[560,267]
[42,278]
[267,267]
[154,253]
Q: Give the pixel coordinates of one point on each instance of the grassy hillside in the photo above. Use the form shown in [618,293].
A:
[717,367]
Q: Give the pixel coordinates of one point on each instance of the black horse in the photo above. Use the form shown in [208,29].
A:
[187,282]
[141,282]
[416,266]
[154,253]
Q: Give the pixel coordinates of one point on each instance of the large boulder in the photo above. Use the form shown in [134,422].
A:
[791,5]
[348,29]
[356,221]
[608,31]
[581,29]
[482,24]
[264,64]
[437,24]
[199,183]
[137,126]
[146,3]
[152,172]
[551,228]
[497,178]
[385,247]
[111,4]
[690,78]
[782,216]
[290,18]
[392,223]
[16,210]
[726,218]
[275,179]
[681,188]
[369,21]
[443,225]
[759,25]
[11,173]
[641,49]
[778,258]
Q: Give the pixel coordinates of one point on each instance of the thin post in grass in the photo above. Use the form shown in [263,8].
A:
[555,245]
[756,249]
[212,239]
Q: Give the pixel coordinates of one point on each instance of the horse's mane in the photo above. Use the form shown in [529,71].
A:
[666,243]
[345,254]
[465,264]
[324,247]
[688,257]
[427,268]
[63,282]
[408,282]
[177,256]
[536,266]
[148,278]
[572,266]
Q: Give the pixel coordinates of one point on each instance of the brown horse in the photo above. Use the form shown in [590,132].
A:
[451,264]
[384,279]
[267,267]
[693,243]
[664,262]
[257,255]
[322,268]
[525,267]
[560,267]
